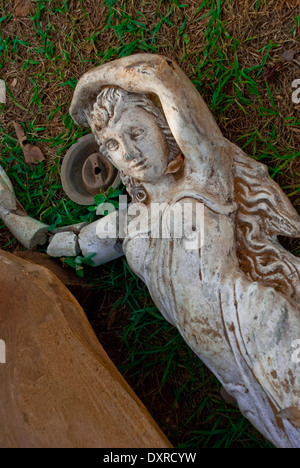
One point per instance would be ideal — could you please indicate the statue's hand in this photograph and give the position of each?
(7, 195)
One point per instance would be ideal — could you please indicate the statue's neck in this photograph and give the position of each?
(161, 190)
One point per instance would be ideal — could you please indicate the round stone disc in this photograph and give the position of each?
(86, 172)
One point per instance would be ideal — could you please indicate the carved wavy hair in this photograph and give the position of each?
(263, 211)
(105, 109)
(263, 214)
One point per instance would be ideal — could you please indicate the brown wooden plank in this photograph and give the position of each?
(58, 387)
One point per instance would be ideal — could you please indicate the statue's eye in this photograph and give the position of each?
(112, 145)
(136, 132)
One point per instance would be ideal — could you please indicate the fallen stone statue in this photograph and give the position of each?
(234, 294)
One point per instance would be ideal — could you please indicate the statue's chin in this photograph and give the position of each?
(149, 175)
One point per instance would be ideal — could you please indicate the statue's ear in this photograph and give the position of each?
(176, 165)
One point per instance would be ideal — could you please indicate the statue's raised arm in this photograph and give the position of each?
(189, 119)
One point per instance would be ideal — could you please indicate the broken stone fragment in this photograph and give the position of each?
(7, 195)
(106, 249)
(64, 244)
(28, 231)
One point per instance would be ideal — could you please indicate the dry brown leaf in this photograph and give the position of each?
(89, 48)
(32, 153)
(269, 72)
(22, 7)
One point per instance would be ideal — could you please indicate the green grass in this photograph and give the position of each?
(47, 53)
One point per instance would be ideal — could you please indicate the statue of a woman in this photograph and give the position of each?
(235, 299)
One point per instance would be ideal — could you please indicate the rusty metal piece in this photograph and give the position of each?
(86, 171)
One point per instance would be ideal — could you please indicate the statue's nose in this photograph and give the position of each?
(128, 157)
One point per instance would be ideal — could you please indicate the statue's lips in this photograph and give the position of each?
(140, 164)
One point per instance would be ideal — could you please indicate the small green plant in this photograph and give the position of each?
(78, 263)
(110, 196)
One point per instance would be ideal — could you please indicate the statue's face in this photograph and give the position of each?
(136, 144)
